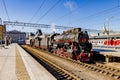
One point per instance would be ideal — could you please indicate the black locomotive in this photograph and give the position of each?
(72, 43)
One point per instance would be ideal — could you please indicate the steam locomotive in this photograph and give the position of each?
(72, 43)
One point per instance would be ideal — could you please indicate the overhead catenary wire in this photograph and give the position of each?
(98, 13)
(118, 3)
(97, 23)
(37, 10)
(103, 22)
(68, 13)
(81, 19)
(115, 20)
(6, 10)
(48, 11)
(117, 11)
(63, 16)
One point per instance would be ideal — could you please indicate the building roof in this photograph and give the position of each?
(15, 32)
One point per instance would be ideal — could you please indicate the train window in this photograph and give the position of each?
(113, 38)
(117, 37)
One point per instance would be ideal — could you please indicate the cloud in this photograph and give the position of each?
(70, 5)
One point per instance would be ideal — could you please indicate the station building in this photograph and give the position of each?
(16, 37)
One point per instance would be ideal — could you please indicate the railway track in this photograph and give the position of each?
(99, 68)
(110, 73)
(58, 72)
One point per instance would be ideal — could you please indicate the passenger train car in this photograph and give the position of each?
(106, 40)
(72, 43)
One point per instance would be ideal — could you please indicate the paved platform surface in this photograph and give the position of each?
(108, 51)
(16, 64)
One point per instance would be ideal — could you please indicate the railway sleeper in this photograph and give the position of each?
(61, 72)
(102, 66)
(99, 70)
(91, 68)
(115, 76)
(95, 69)
(118, 77)
(64, 74)
(88, 66)
(112, 75)
(113, 70)
(79, 63)
(116, 71)
(107, 73)
(104, 72)
(69, 78)
(108, 68)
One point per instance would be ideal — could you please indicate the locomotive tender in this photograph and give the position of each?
(72, 43)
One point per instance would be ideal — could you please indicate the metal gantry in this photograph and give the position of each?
(46, 26)
(34, 25)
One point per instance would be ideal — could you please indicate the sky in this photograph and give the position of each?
(87, 14)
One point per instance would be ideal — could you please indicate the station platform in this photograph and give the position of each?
(17, 64)
(109, 53)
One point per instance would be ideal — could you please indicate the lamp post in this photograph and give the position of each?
(108, 21)
(108, 31)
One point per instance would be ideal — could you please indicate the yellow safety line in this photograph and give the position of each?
(21, 71)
